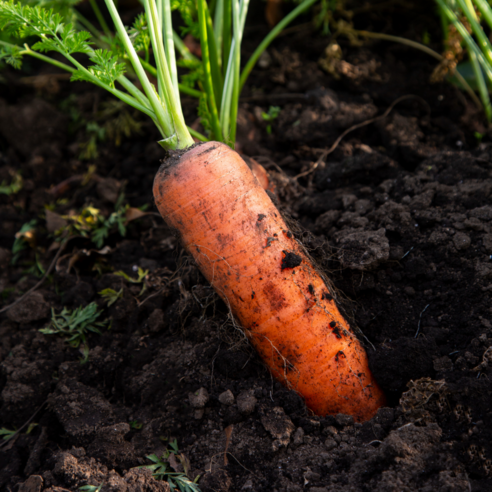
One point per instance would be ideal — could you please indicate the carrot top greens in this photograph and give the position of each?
(459, 12)
(103, 58)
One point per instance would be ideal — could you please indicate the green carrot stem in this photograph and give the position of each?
(39, 56)
(237, 70)
(130, 100)
(218, 28)
(134, 91)
(167, 32)
(182, 48)
(166, 89)
(101, 19)
(197, 135)
(217, 79)
(209, 89)
(485, 10)
(477, 59)
(230, 95)
(483, 40)
(189, 91)
(165, 120)
(226, 36)
(183, 88)
(87, 24)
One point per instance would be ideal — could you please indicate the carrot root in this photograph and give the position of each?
(244, 248)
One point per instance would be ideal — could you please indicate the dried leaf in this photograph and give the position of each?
(66, 262)
(228, 432)
(173, 463)
(273, 12)
(133, 213)
(185, 463)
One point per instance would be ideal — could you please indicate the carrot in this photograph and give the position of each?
(244, 248)
(225, 217)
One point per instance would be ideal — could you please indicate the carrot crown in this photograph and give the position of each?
(217, 76)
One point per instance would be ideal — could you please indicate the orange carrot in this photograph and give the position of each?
(244, 248)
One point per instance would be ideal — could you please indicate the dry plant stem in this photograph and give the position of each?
(228, 432)
(41, 282)
(421, 47)
(155, 294)
(246, 251)
(336, 143)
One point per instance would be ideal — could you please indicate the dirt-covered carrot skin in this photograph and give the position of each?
(244, 248)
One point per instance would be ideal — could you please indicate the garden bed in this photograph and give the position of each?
(399, 216)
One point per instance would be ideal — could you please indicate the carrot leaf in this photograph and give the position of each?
(11, 54)
(67, 42)
(107, 68)
(139, 34)
(187, 10)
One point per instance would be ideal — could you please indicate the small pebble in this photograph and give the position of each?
(199, 398)
(226, 398)
(344, 420)
(461, 241)
(410, 291)
(299, 436)
(248, 485)
(330, 444)
(246, 402)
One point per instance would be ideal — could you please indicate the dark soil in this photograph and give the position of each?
(399, 216)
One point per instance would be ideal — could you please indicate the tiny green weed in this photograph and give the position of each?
(479, 136)
(74, 326)
(273, 112)
(324, 17)
(81, 223)
(23, 239)
(116, 219)
(14, 187)
(111, 295)
(90, 222)
(91, 488)
(7, 434)
(161, 469)
(140, 272)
